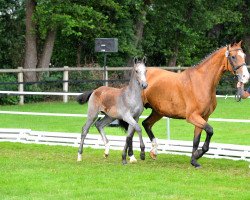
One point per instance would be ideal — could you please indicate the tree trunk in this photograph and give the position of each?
(173, 59)
(44, 61)
(30, 61)
(139, 27)
(79, 54)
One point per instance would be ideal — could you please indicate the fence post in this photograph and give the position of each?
(168, 128)
(20, 85)
(65, 83)
(179, 71)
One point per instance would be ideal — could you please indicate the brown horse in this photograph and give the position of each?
(191, 94)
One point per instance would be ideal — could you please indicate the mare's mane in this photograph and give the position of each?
(207, 57)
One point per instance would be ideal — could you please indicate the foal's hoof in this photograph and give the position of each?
(132, 159)
(79, 158)
(105, 155)
(124, 162)
(152, 155)
(142, 155)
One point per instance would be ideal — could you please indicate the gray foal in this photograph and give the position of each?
(124, 104)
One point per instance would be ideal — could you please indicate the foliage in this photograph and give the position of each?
(12, 32)
(176, 30)
(4, 98)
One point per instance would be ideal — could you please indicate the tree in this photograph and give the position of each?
(11, 33)
(178, 31)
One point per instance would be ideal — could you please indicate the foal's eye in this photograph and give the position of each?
(233, 57)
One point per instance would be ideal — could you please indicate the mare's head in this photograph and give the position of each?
(236, 62)
(140, 72)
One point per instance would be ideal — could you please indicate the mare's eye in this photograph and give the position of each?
(233, 57)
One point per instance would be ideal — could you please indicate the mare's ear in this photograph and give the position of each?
(240, 43)
(144, 59)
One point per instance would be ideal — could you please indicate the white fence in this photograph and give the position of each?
(65, 70)
(217, 150)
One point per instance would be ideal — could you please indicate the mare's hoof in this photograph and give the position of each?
(142, 155)
(152, 155)
(105, 155)
(195, 164)
(198, 166)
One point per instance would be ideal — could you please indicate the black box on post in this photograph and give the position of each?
(106, 45)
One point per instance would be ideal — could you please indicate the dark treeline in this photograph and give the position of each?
(45, 33)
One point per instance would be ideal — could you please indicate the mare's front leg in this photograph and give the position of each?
(148, 124)
(196, 154)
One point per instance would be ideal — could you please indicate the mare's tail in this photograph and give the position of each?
(123, 124)
(84, 97)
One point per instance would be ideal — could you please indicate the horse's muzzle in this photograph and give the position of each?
(144, 85)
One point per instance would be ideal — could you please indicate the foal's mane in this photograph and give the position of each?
(207, 57)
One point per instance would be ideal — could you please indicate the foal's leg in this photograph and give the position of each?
(92, 114)
(148, 124)
(100, 124)
(128, 147)
(85, 130)
(133, 123)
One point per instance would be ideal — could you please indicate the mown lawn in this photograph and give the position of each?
(224, 132)
(51, 172)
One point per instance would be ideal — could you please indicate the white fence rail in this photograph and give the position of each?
(217, 150)
(168, 133)
(65, 70)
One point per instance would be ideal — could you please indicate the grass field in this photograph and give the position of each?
(51, 172)
(224, 132)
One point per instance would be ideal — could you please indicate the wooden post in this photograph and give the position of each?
(179, 71)
(20, 85)
(65, 83)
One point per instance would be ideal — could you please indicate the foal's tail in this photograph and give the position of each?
(123, 124)
(84, 97)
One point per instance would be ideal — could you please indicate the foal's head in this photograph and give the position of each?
(140, 72)
(236, 59)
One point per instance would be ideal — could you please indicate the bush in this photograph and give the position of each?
(7, 83)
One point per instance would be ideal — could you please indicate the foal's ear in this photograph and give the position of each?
(135, 60)
(144, 59)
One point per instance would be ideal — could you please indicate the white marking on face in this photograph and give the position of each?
(240, 53)
(244, 76)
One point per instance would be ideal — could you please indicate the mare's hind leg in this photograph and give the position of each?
(100, 124)
(148, 124)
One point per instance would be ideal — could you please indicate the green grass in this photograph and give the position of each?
(51, 172)
(224, 132)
